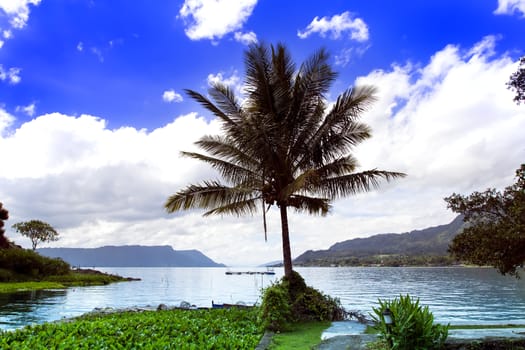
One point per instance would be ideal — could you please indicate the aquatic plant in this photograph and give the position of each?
(171, 329)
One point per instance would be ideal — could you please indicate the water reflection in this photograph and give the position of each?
(28, 307)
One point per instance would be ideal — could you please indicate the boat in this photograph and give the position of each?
(269, 271)
(239, 304)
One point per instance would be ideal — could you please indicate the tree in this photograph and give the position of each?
(280, 147)
(37, 231)
(495, 232)
(4, 215)
(517, 82)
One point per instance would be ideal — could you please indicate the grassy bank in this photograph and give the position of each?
(72, 279)
(299, 336)
(170, 329)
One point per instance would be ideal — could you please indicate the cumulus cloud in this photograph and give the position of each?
(246, 38)
(17, 11)
(80, 46)
(6, 120)
(510, 7)
(12, 75)
(449, 123)
(212, 19)
(336, 26)
(233, 81)
(29, 109)
(170, 96)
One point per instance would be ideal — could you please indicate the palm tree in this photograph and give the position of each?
(280, 146)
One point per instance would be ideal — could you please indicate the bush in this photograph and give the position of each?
(30, 264)
(412, 328)
(291, 300)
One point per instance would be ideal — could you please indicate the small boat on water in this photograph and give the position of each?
(269, 271)
(239, 304)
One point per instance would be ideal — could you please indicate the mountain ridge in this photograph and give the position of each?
(131, 256)
(431, 241)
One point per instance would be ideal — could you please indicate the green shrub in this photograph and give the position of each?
(30, 264)
(275, 309)
(412, 328)
(291, 300)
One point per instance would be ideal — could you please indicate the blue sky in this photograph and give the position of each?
(93, 113)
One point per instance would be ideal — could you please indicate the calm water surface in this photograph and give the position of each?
(455, 295)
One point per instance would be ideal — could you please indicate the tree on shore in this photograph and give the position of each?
(495, 232)
(37, 231)
(4, 215)
(517, 82)
(281, 146)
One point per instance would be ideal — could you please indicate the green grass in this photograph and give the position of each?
(172, 329)
(10, 287)
(73, 279)
(300, 336)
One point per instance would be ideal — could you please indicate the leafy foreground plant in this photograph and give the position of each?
(412, 325)
(172, 329)
(291, 300)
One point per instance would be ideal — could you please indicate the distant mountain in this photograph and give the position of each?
(431, 241)
(130, 256)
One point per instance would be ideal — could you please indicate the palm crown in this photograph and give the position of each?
(280, 146)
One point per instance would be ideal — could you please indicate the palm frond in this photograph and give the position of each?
(239, 208)
(311, 205)
(227, 149)
(233, 173)
(206, 103)
(209, 195)
(342, 186)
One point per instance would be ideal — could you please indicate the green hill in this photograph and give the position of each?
(419, 247)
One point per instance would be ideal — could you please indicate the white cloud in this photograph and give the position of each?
(246, 38)
(12, 75)
(212, 19)
(336, 26)
(233, 80)
(29, 109)
(171, 96)
(346, 55)
(6, 120)
(17, 11)
(510, 7)
(80, 46)
(449, 123)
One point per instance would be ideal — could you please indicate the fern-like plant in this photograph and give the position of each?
(412, 326)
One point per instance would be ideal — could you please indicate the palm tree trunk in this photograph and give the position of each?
(287, 255)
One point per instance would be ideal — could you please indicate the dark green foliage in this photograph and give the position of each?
(4, 215)
(291, 300)
(275, 310)
(517, 82)
(413, 326)
(495, 234)
(22, 264)
(173, 329)
(37, 231)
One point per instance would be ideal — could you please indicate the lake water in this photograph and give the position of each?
(455, 295)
